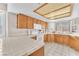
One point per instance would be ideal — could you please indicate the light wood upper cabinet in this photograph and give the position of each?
(30, 23)
(21, 21)
(46, 25)
(24, 22)
(42, 23)
(27, 22)
(34, 20)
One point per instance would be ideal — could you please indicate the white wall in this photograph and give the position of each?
(3, 6)
(51, 25)
(12, 24)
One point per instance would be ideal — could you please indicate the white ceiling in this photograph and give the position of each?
(30, 6)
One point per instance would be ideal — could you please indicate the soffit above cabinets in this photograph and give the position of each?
(54, 10)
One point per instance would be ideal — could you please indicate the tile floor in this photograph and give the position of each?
(55, 49)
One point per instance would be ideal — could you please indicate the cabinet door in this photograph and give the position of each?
(71, 42)
(46, 25)
(66, 39)
(30, 23)
(55, 37)
(45, 38)
(74, 43)
(21, 21)
(38, 21)
(61, 39)
(52, 38)
(58, 38)
(77, 44)
(34, 20)
(49, 37)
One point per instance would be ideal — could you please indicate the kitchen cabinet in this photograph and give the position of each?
(45, 24)
(45, 38)
(22, 21)
(71, 41)
(63, 39)
(52, 37)
(48, 38)
(58, 38)
(27, 22)
(39, 21)
(34, 20)
(30, 23)
(77, 44)
(39, 52)
(74, 42)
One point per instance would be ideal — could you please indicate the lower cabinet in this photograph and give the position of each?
(39, 52)
(65, 39)
(48, 38)
(71, 41)
(74, 43)
(62, 39)
(58, 38)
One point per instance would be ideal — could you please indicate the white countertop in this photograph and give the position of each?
(71, 34)
(18, 46)
(74, 34)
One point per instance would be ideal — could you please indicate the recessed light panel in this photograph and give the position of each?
(53, 10)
